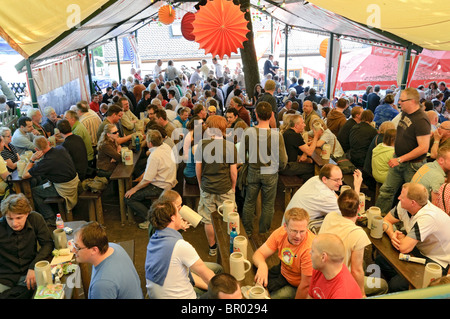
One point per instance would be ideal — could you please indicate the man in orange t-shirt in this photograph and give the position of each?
(292, 242)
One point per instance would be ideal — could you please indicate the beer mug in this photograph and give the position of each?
(190, 215)
(344, 188)
(240, 245)
(43, 273)
(432, 272)
(226, 208)
(371, 213)
(377, 228)
(258, 292)
(238, 266)
(326, 150)
(362, 203)
(60, 238)
(233, 221)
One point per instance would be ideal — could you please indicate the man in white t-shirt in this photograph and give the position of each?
(427, 230)
(355, 240)
(160, 174)
(318, 195)
(170, 258)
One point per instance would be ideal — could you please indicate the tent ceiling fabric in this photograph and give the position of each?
(312, 18)
(41, 29)
(424, 23)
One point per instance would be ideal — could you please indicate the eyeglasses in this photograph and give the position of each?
(116, 132)
(400, 100)
(77, 249)
(295, 232)
(337, 180)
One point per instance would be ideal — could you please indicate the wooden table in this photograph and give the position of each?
(319, 162)
(124, 176)
(412, 272)
(223, 245)
(21, 185)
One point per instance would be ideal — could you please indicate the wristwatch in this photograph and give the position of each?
(399, 160)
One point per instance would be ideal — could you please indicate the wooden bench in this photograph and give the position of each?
(61, 202)
(95, 205)
(291, 184)
(191, 193)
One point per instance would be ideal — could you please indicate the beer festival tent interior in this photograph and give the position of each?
(60, 33)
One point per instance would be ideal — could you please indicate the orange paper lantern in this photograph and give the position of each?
(187, 27)
(324, 48)
(166, 14)
(220, 28)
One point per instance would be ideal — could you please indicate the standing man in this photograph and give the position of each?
(427, 233)
(292, 243)
(20, 231)
(411, 147)
(218, 72)
(113, 273)
(79, 129)
(90, 120)
(263, 168)
(267, 96)
(268, 66)
(344, 133)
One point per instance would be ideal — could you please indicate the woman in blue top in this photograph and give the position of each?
(386, 111)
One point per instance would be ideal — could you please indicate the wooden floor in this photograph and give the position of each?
(195, 236)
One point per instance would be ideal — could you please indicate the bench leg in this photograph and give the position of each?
(91, 211)
(123, 216)
(99, 210)
(130, 212)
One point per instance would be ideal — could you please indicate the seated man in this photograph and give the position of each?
(160, 174)
(128, 119)
(292, 243)
(355, 240)
(170, 258)
(331, 278)
(20, 230)
(427, 235)
(232, 116)
(433, 174)
(23, 137)
(223, 286)
(113, 116)
(57, 167)
(318, 195)
(76, 148)
(113, 273)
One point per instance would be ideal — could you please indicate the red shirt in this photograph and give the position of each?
(94, 106)
(343, 286)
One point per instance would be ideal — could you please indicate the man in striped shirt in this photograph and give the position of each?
(89, 119)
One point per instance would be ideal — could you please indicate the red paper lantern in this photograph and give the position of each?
(220, 28)
(187, 27)
(166, 14)
(324, 48)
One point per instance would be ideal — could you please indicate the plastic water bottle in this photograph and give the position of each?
(59, 222)
(138, 143)
(233, 234)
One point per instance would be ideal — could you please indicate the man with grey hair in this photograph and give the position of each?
(80, 130)
(56, 167)
(51, 119)
(160, 174)
(90, 120)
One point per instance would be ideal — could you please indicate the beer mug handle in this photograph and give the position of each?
(220, 208)
(249, 265)
(387, 226)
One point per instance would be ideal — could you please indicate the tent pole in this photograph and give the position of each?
(330, 65)
(93, 62)
(406, 69)
(118, 60)
(31, 84)
(271, 35)
(88, 65)
(286, 57)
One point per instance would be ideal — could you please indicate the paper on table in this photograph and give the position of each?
(61, 259)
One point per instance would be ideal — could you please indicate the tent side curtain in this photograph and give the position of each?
(54, 75)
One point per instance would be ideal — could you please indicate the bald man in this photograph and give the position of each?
(308, 114)
(331, 279)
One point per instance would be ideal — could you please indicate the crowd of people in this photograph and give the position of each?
(233, 145)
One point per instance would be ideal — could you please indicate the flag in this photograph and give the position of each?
(277, 44)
